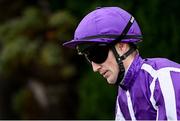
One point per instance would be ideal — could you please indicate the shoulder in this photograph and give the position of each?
(158, 63)
(151, 66)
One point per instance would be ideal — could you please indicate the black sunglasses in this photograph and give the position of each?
(97, 53)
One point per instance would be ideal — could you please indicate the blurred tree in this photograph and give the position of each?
(11, 9)
(30, 49)
(159, 23)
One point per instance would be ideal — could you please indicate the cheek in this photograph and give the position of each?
(112, 65)
(114, 68)
(112, 72)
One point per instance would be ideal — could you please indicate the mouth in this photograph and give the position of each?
(104, 74)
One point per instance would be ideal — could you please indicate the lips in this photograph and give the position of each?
(103, 73)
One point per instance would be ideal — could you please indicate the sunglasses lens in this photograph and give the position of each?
(97, 54)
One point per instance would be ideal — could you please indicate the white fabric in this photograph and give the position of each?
(130, 107)
(167, 88)
(119, 115)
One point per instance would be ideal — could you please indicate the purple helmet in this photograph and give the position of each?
(104, 25)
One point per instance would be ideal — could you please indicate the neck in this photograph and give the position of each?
(127, 62)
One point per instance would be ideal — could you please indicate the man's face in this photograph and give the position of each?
(108, 69)
(102, 60)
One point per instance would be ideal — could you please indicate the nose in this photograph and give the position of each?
(95, 66)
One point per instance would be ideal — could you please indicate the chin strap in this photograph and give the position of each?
(119, 60)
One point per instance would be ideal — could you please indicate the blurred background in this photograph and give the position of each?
(40, 79)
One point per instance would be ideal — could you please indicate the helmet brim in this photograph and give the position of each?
(74, 43)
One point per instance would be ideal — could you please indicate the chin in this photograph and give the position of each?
(110, 81)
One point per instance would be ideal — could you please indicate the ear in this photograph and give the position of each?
(121, 46)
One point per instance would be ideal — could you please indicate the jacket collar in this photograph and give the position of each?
(131, 73)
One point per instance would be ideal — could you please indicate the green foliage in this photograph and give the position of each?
(30, 47)
(32, 38)
(50, 55)
(63, 20)
(159, 24)
(16, 52)
(97, 98)
(31, 22)
(19, 102)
